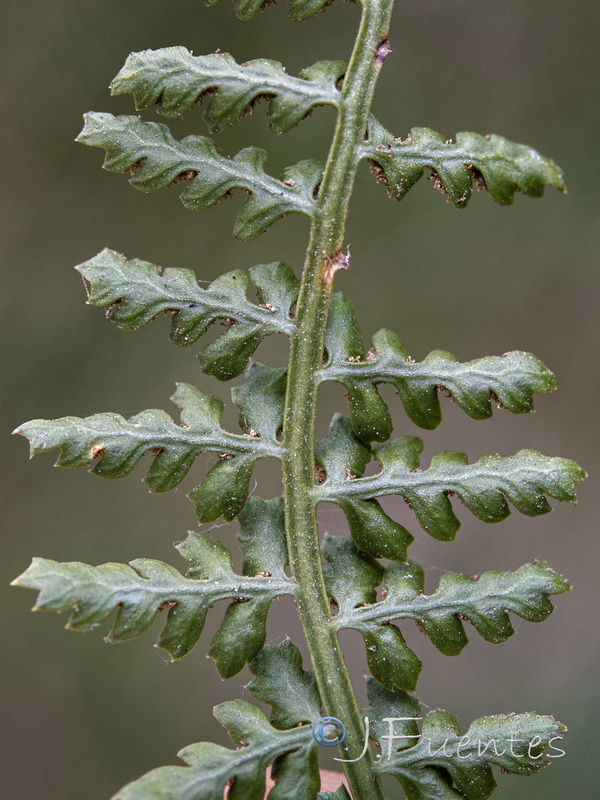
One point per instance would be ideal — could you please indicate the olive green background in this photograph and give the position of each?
(81, 718)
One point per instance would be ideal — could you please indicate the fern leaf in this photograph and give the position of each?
(210, 768)
(484, 486)
(352, 580)
(285, 741)
(484, 601)
(445, 764)
(510, 380)
(493, 163)
(136, 292)
(262, 418)
(343, 456)
(175, 80)
(224, 490)
(262, 537)
(290, 690)
(115, 445)
(139, 591)
(155, 160)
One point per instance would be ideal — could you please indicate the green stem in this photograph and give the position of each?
(323, 259)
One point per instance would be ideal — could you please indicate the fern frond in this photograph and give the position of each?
(139, 591)
(210, 767)
(262, 537)
(280, 681)
(484, 601)
(176, 81)
(352, 581)
(115, 445)
(484, 486)
(444, 763)
(285, 741)
(493, 163)
(136, 292)
(155, 160)
(510, 380)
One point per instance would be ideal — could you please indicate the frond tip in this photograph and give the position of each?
(175, 80)
(155, 160)
(490, 162)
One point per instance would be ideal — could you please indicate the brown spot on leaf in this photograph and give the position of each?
(255, 102)
(188, 175)
(134, 167)
(377, 170)
(437, 182)
(206, 93)
(477, 177)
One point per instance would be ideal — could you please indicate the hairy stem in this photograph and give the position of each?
(323, 258)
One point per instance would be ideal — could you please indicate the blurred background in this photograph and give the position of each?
(80, 717)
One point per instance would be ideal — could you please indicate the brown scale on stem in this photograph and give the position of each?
(332, 264)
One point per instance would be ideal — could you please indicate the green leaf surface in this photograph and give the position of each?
(140, 591)
(342, 457)
(352, 579)
(344, 346)
(484, 486)
(225, 489)
(240, 637)
(210, 768)
(175, 80)
(493, 163)
(510, 380)
(136, 292)
(262, 537)
(290, 690)
(261, 401)
(148, 152)
(442, 763)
